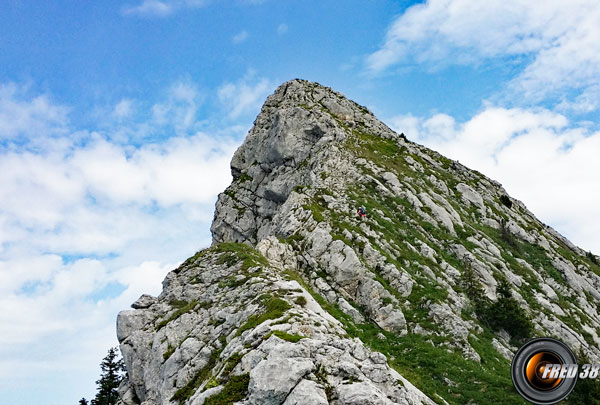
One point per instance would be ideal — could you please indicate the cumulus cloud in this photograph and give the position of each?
(244, 96)
(21, 115)
(57, 335)
(556, 43)
(536, 154)
(101, 198)
(89, 221)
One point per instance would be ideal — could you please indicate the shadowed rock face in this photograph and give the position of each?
(299, 301)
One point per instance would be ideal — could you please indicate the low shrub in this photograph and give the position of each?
(504, 199)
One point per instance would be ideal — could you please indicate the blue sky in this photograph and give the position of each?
(118, 120)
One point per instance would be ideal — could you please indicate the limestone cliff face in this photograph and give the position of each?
(299, 301)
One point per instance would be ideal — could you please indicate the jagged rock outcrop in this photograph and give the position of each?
(299, 301)
(225, 318)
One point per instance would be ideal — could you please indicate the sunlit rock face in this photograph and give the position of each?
(301, 301)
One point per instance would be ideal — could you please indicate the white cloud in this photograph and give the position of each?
(587, 101)
(60, 333)
(180, 108)
(20, 116)
(88, 223)
(154, 8)
(91, 197)
(245, 96)
(558, 42)
(282, 29)
(240, 37)
(156, 172)
(540, 159)
(161, 8)
(123, 109)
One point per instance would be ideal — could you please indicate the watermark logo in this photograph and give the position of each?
(544, 371)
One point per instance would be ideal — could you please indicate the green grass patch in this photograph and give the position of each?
(233, 253)
(535, 255)
(300, 301)
(340, 236)
(233, 282)
(381, 151)
(235, 390)
(287, 336)
(243, 178)
(316, 210)
(182, 308)
(186, 392)
(230, 365)
(426, 363)
(375, 146)
(332, 309)
(169, 352)
(274, 308)
(193, 258)
(297, 238)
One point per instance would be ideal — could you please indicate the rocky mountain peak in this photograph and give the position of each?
(300, 123)
(293, 121)
(301, 300)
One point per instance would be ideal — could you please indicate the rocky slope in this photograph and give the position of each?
(299, 301)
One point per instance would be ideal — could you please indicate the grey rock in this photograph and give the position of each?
(361, 393)
(143, 302)
(273, 378)
(470, 195)
(307, 393)
(505, 352)
(439, 213)
(201, 397)
(299, 178)
(378, 358)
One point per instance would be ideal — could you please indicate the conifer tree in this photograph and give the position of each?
(112, 373)
(507, 314)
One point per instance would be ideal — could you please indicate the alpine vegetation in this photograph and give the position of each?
(351, 266)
